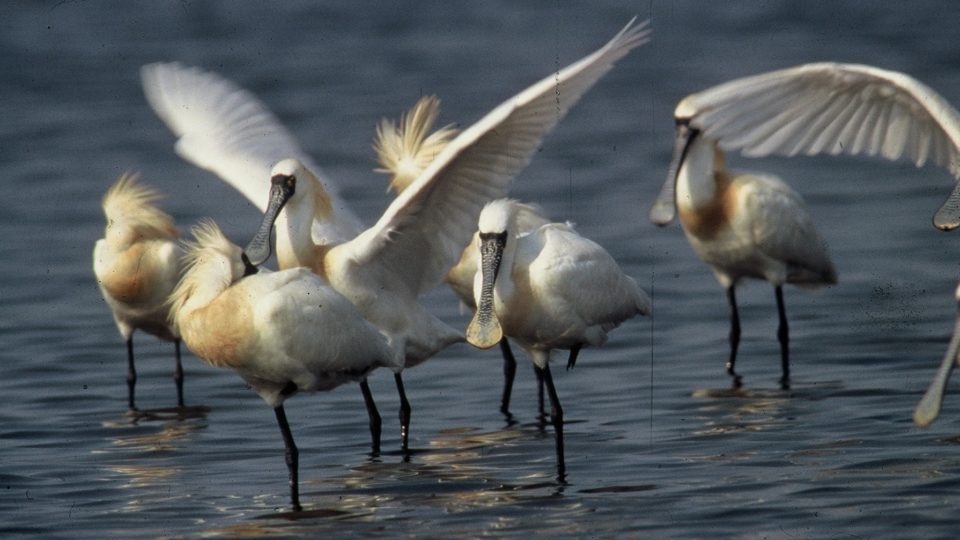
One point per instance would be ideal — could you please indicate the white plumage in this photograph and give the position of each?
(548, 289)
(137, 265)
(226, 130)
(421, 233)
(404, 150)
(836, 109)
(283, 332)
(756, 226)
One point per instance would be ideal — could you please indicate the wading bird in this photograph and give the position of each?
(929, 406)
(383, 269)
(404, 150)
(754, 225)
(137, 265)
(549, 289)
(282, 332)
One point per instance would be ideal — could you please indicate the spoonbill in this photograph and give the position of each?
(549, 289)
(460, 278)
(928, 408)
(282, 332)
(137, 265)
(404, 149)
(384, 268)
(751, 225)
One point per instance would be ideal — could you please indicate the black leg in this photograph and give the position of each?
(292, 457)
(556, 414)
(374, 415)
(783, 334)
(540, 410)
(734, 336)
(509, 371)
(178, 374)
(404, 414)
(131, 375)
(574, 351)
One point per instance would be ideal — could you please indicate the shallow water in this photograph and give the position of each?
(656, 443)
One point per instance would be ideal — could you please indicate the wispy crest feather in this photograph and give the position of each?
(133, 203)
(404, 149)
(210, 245)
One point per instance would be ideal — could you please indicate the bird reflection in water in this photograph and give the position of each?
(175, 432)
(452, 469)
(738, 410)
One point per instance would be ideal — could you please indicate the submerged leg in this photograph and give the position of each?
(556, 415)
(734, 336)
(404, 414)
(178, 374)
(292, 457)
(131, 375)
(374, 415)
(783, 334)
(509, 371)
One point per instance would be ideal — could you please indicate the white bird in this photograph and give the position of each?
(404, 150)
(282, 332)
(828, 108)
(754, 225)
(460, 278)
(137, 265)
(549, 289)
(418, 238)
(928, 408)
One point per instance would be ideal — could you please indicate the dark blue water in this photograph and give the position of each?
(656, 446)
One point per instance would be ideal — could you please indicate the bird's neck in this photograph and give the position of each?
(504, 286)
(202, 284)
(295, 244)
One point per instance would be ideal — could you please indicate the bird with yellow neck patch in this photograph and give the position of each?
(282, 332)
(386, 267)
(754, 225)
(137, 265)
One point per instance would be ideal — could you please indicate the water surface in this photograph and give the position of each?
(656, 444)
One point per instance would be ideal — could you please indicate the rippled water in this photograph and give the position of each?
(656, 444)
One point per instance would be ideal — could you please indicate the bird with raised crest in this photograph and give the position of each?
(137, 265)
(282, 332)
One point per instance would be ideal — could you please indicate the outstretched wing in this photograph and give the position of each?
(226, 130)
(836, 109)
(832, 108)
(422, 233)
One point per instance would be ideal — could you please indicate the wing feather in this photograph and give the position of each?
(582, 275)
(829, 107)
(783, 230)
(438, 212)
(226, 130)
